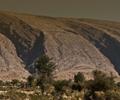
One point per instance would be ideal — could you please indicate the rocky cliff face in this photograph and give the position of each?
(11, 66)
(74, 44)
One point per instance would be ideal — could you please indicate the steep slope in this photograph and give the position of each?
(24, 37)
(11, 67)
(74, 44)
(105, 41)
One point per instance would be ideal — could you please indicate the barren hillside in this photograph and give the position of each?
(74, 44)
(11, 66)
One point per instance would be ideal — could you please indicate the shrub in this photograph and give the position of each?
(34, 97)
(30, 81)
(118, 84)
(77, 86)
(1, 83)
(79, 77)
(60, 84)
(15, 82)
(112, 95)
(79, 80)
(2, 97)
(13, 95)
(99, 95)
(39, 97)
(101, 82)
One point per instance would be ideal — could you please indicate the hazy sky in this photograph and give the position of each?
(99, 9)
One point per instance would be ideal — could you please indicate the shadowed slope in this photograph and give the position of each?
(27, 40)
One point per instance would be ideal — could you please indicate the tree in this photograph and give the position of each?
(79, 77)
(44, 66)
(79, 80)
(30, 80)
(101, 82)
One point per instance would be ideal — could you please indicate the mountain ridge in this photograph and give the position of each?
(74, 44)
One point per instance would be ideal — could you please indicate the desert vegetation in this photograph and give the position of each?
(42, 86)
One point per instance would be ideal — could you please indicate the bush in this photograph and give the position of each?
(39, 97)
(101, 82)
(77, 87)
(1, 83)
(118, 84)
(60, 84)
(79, 77)
(79, 81)
(2, 97)
(112, 95)
(34, 97)
(13, 95)
(15, 82)
(99, 95)
(30, 81)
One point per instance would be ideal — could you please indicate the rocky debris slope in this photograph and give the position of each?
(11, 66)
(74, 44)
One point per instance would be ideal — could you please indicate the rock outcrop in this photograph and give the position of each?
(11, 66)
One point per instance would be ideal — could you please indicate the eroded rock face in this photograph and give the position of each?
(11, 66)
(74, 44)
(23, 36)
(72, 53)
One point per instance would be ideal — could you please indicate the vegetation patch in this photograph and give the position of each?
(42, 86)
